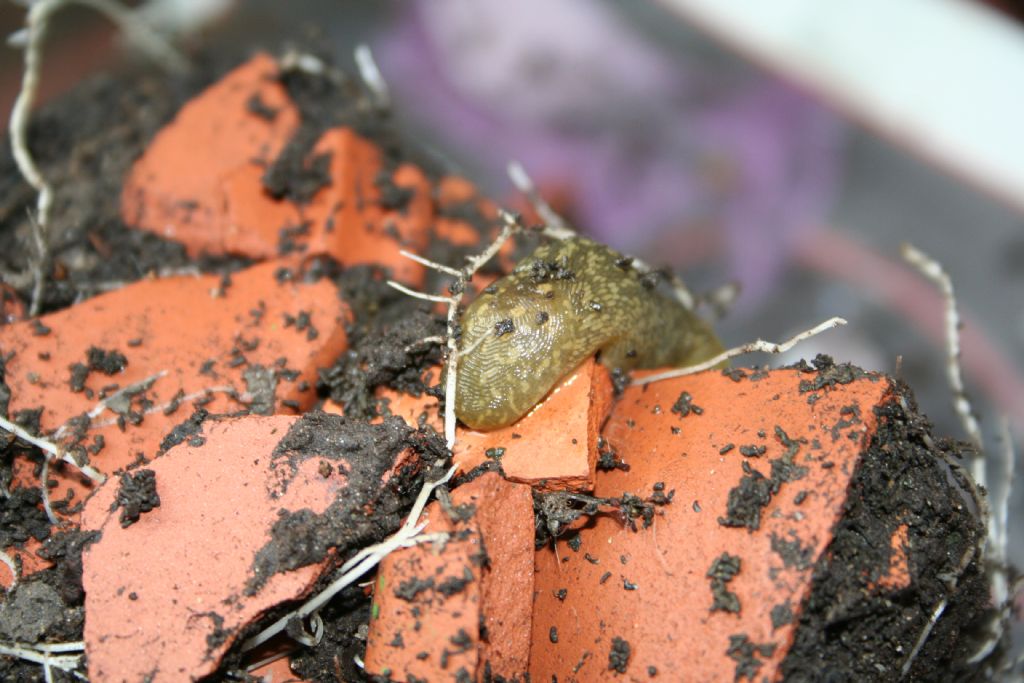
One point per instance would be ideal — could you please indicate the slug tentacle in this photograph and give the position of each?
(568, 300)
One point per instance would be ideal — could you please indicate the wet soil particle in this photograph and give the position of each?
(684, 405)
(754, 491)
(792, 553)
(735, 374)
(747, 499)
(64, 551)
(902, 479)
(608, 458)
(618, 657)
(829, 373)
(722, 571)
(136, 494)
(5, 391)
(454, 585)
(781, 615)
(744, 652)
(408, 590)
(190, 428)
(109, 362)
(555, 511)
(22, 517)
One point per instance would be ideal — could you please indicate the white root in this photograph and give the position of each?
(554, 225)
(52, 449)
(31, 38)
(408, 535)
(371, 75)
(759, 345)
(462, 277)
(934, 271)
(44, 475)
(995, 516)
(998, 539)
(105, 403)
(923, 637)
(48, 655)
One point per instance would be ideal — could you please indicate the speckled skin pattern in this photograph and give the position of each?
(566, 301)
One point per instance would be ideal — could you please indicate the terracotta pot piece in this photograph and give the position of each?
(425, 617)
(703, 589)
(167, 595)
(897, 574)
(176, 189)
(430, 608)
(258, 336)
(553, 448)
(353, 221)
(216, 203)
(457, 199)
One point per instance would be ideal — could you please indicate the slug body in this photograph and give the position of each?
(566, 301)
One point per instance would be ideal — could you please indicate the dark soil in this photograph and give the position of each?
(370, 508)
(847, 632)
(136, 494)
(46, 607)
(384, 348)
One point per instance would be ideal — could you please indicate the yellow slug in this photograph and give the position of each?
(568, 300)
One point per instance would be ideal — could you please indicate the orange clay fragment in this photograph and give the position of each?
(429, 606)
(178, 337)
(553, 448)
(621, 604)
(175, 188)
(200, 182)
(897, 575)
(167, 595)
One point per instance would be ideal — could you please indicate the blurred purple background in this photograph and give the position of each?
(643, 144)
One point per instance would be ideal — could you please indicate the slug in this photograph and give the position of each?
(568, 300)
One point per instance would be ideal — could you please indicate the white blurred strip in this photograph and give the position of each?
(941, 77)
(184, 17)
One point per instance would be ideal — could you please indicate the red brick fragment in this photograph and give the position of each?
(553, 447)
(166, 596)
(429, 606)
(647, 593)
(175, 189)
(257, 336)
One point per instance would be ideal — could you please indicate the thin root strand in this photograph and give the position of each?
(757, 346)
